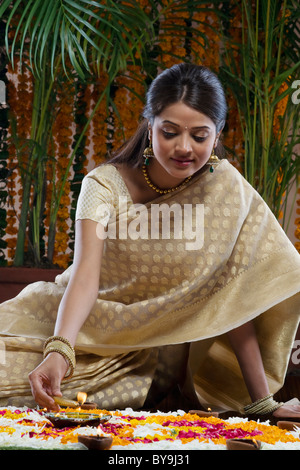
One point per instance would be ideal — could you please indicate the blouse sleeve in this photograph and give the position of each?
(96, 198)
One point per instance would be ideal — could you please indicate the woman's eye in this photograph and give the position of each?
(168, 134)
(199, 139)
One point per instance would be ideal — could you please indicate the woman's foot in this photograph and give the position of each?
(287, 413)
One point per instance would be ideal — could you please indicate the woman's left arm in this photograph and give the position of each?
(246, 348)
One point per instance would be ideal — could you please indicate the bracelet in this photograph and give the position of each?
(64, 348)
(58, 338)
(263, 406)
(66, 353)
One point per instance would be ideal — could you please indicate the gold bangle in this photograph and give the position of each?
(262, 406)
(70, 362)
(58, 338)
(258, 402)
(61, 347)
(64, 350)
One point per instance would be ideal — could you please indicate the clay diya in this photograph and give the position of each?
(204, 414)
(76, 418)
(288, 425)
(243, 444)
(88, 405)
(96, 442)
(85, 405)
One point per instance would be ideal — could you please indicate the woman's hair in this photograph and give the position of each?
(194, 85)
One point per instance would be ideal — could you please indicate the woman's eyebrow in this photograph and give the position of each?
(166, 121)
(170, 122)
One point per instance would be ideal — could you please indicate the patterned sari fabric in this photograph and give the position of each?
(181, 270)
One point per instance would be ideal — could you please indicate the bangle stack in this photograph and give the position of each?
(64, 348)
(262, 406)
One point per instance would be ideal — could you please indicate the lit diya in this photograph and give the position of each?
(204, 414)
(85, 405)
(72, 419)
(77, 417)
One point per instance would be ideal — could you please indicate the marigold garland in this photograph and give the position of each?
(11, 228)
(107, 131)
(280, 111)
(206, 51)
(87, 99)
(99, 121)
(63, 133)
(20, 103)
(82, 102)
(233, 137)
(171, 39)
(129, 105)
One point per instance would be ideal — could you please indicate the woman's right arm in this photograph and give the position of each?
(83, 287)
(76, 304)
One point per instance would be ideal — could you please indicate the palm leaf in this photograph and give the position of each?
(84, 32)
(260, 80)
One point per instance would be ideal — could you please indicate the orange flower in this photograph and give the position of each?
(62, 134)
(280, 111)
(128, 103)
(99, 122)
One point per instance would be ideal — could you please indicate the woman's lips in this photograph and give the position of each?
(182, 162)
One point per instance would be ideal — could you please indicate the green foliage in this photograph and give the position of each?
(88, 34)
(64, 40)
(259, 69)
(73, 42)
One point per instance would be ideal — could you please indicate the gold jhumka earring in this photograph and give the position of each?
(213, 161)
(148, 153)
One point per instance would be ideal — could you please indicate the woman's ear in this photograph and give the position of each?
(149, 131)
(217, 138)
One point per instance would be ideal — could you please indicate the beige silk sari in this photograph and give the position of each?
(158, 294)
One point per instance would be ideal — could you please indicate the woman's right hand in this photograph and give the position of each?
(45, 380)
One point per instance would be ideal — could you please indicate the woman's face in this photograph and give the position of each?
(182, 141)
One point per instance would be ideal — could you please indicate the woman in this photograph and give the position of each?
(187, 253)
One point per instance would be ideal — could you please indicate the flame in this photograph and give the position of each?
(81, 397)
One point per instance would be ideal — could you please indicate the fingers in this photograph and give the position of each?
(41, 391)
(45, 382)
(55, 389)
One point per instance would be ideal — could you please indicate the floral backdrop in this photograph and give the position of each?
(109, 126)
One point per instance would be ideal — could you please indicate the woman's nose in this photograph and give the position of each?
(184, 144)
